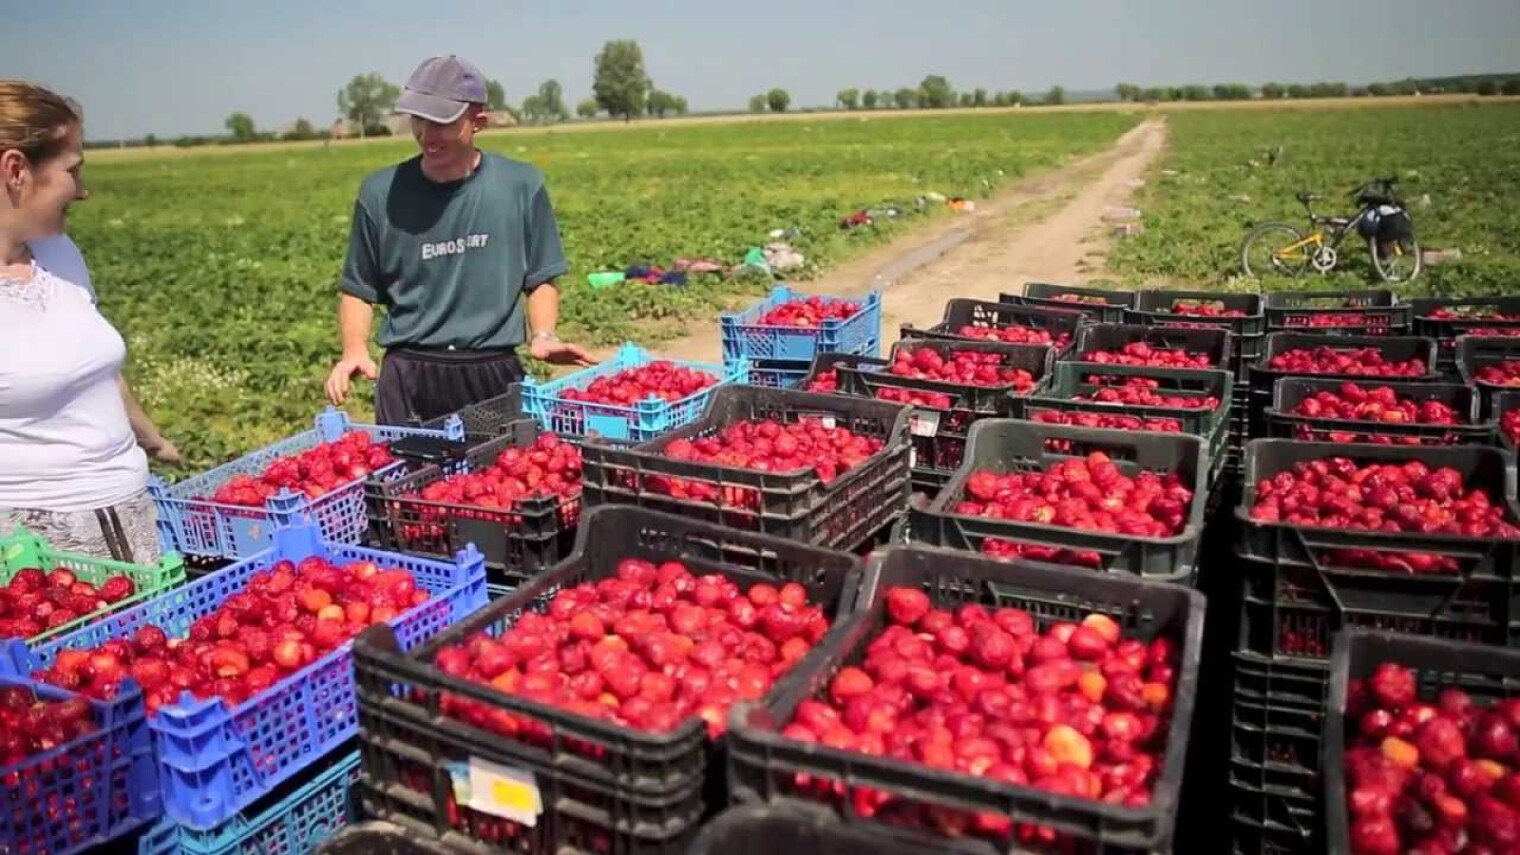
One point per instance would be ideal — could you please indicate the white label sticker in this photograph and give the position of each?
(501, 791)
(923, 424)
(912, 457)
(828, 422)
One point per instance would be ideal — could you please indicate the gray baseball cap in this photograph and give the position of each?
(441, 89)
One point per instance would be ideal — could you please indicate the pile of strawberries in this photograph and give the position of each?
(34, 602)
(1429, 777)
(1354, 402)
(547, 467)
(1090, 493)
(648, 648)
(809, 312)
(961, 367)
(1142, 353)
(1013, 334)
(1359, 361)
(1074, 709)
(660, 380)
(313, 472)
(1142, 391)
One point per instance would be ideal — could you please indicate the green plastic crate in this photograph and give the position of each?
(22, 549)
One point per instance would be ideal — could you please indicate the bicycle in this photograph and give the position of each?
(1381, 219)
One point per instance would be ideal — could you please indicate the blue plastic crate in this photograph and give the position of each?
(214, 761)
(745, 337)
(779, 375)
(298, 824)
(191, 524)
(109, 776)
(641, 422)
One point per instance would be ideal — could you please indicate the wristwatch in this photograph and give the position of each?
(546, 336)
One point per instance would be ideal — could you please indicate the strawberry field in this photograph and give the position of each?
(1225, 171)
(220, 267)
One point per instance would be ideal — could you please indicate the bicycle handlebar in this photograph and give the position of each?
(1385, 183)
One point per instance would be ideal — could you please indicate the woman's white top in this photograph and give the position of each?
(65, 442)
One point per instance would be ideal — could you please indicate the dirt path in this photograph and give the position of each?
(1049, 227)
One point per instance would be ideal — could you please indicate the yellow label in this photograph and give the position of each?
(514, 795)
(504, 791)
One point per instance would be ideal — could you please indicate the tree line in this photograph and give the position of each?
(622, 89)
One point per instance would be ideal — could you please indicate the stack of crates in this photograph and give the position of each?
(781, 355)
(1300, 585)
(1446, 319)
(226, 770)
(1243, 315)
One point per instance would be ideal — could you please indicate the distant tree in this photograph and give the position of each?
(935, 93)
(1196, 92)
(496, 96)
(778, 100)
(302, 130)
(661, 102)
(366, 100)
(1380, 90)
(964, 99)
(868, 99)
(905, 98)
(587, 109)
(240, 125)
(151, 141)
(1298, 90)
(533, 109)
(979, 97)
(1014, 97)
(1512, 86)
(1056, 96)
(1328, 90)
(849, 99)
(1232, 92)
(619, 81)
(757, 103)
(1488, 87)
(678, 105)
(1273, 91)
(1128, 92)
(551, 97)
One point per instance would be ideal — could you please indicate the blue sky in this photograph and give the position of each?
(173, 67)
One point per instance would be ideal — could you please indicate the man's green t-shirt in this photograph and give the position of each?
(451, 262)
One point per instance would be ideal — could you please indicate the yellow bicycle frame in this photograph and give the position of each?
(1317, 239)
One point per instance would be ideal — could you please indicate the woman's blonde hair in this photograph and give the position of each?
(34, 120)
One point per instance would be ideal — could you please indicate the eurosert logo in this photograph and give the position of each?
(438, 249)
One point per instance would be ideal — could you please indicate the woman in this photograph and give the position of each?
(73, 441)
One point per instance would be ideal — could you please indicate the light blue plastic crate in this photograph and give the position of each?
(191, 524)
(744, 336)
(639, 423)
(298, 824)
(214, 761)
(109, 775)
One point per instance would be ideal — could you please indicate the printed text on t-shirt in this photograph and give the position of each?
(453, 247)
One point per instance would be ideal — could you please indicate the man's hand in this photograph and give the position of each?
(339, 380)
(164, 451)
(557, 352)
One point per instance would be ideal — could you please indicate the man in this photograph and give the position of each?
(462, 249)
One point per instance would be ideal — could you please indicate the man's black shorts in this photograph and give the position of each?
(417, 385)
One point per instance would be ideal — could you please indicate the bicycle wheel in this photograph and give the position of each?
(1275, 248)
(1396, 260)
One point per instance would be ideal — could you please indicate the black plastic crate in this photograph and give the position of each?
(795, 829)
(1283, 421)
(1159, 307)
(1276, 730)
(1001, 399)
(517, 541)
(961, 312)
(1489, 469)
(764, 766)
(826, 364)
(1493, 315)
(1104, 305)
(1008, 445)
(407, 687)
(1393, 348)
(1371, 311)
(1475, 353)
(1294, 611)
(1503, 404)
(414, 774)
(1071, 379)
(1213, 342)
(489, 418)
(795, 505)
(379, 838)
(1292, 827)
(1486, 673)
